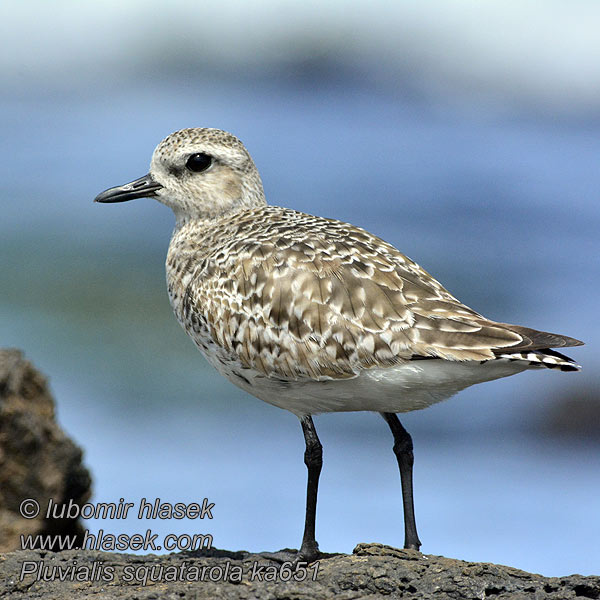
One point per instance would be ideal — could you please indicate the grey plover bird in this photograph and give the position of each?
(314, 315)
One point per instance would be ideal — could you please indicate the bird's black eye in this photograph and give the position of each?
(198, 162)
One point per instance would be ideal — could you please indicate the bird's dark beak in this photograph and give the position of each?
(144, 187)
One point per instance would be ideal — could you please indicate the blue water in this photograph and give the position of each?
(503, 210)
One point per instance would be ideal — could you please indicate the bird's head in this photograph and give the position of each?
(199, 173)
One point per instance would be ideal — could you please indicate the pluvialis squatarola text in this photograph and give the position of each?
(314, 315)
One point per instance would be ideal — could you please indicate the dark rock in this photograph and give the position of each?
(37, 460)
(373, 571)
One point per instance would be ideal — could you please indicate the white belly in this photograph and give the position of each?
(412, 386)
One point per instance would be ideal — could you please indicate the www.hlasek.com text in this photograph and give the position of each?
(108, 542)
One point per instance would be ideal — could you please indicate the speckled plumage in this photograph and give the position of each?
(269, 292)
(292, 295)
(316, 315)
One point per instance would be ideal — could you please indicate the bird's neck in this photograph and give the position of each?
(210, 213)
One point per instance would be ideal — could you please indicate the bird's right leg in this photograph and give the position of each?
(313, 459)
(403, 449)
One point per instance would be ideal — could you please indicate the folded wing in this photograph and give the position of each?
(327, 306)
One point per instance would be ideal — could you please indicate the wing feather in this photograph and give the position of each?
(324, 300)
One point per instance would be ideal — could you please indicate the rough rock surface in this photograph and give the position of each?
(373, 571)
(37, 460)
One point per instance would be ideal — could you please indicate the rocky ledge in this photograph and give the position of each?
(39, 462)
(372, 571)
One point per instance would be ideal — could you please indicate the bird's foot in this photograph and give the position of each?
(416, 547)
(412, 542)
(294, 557)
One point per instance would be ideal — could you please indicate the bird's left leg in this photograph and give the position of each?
(313, 459)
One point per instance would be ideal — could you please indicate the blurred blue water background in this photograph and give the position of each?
(460, 135)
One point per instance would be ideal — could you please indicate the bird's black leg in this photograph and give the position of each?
(313, 459)
(403, 449)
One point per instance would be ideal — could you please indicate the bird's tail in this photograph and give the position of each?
(551, 359)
